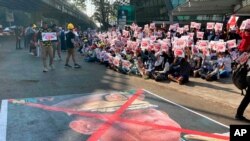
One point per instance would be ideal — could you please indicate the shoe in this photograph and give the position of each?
(52, 67)
(241, 118)
(77, 66)
(45, 70)
(67, 66)
(55, 59)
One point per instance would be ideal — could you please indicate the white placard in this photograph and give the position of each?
(49, 36)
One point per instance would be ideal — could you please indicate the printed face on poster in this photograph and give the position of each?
(210, 25)
(200, 35)
(128, 115)
(218, 26)
(49, 36)
(231, 44)
(179, 53)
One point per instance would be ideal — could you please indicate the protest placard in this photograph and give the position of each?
(232, 21)
(242, 58)
(202, 44)
(49, 36)
(212, 45)
(245, 25)
(180, 43)
(192, 25)
(231, 43)
(126, 64)
(144, 44)
(180, 30)
(218, 26)
(152, 26)
(116, 61)
(198, 25)
(200, 35)
(221, 46)
(210, 25)
(179, 53)
(186, 27)
(195, 50)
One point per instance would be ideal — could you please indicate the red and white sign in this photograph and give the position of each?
(116, 61)
(198, 25)
(126, 64)
(157, 47)
(180, 30)
(231, 44)
(172, 27)
(243, 58)
(206, 52)
(202, 44)
(125, 33)
(134, 45)
(195, 50)
(179, 53)
(186, 27)
(152, 26)
(191, 35)
(221, 46)
(218, 26)
(200, 35)
(245, 25)
(164, 46)
(144, 44)
(210, 25)
(180, 43)
(110, 58)
(232, 21)
(49, 36)
(153, 38)
(192, 25)
(212, 45)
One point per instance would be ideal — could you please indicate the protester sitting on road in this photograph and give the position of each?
(182, 73)
(225, 63)
(210, 70)
(162, 74)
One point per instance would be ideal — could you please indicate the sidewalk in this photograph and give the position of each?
(222, 91)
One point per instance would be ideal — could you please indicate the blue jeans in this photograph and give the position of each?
(224, 74)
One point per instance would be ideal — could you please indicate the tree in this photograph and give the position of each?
(103, 13)
(78, 3)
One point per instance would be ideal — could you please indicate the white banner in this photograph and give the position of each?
(49, 36)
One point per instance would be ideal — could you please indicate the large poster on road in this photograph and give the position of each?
(135, 115)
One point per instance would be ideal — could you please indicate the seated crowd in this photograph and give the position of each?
(155, 53)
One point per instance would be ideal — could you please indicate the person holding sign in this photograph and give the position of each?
(71, 44)
(47, 49)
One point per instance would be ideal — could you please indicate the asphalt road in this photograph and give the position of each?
(21, 76)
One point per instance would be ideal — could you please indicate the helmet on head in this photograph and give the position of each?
(34, 26)
(70, 26)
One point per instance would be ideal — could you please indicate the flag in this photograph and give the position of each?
(232, 21)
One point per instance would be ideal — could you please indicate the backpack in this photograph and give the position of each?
(240, 77)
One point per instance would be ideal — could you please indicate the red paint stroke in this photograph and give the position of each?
(110, 119)
(187, 131)
(67, 111)
(96, 135)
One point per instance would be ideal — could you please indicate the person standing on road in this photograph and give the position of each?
(243, 47)
(47, 49)
(56, 44)
(71, 44)
(18, 33)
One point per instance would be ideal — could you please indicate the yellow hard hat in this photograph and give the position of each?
(34, 26)
(70, 26)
